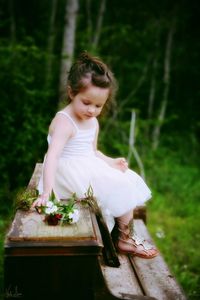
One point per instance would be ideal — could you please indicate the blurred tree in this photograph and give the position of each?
(50, 45)
(99, 24)
(166, 80)
(68, 44)
(12, 23)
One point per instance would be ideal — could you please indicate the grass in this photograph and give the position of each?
(3, 225)
(178, 240)
(173, 217)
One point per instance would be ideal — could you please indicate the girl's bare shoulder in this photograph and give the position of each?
(61, 123)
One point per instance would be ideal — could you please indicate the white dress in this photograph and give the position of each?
(78, 167)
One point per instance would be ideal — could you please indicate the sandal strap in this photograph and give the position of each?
(136, 241)
(146, 245)
(128, 226)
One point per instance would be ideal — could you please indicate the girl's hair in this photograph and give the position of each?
(91, 70)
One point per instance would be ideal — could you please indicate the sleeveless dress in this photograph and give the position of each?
(78, 167)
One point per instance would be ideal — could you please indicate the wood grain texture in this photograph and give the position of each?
(30, 226)
(121, 280)
(35, 177)
(30, 235)
(154, 274)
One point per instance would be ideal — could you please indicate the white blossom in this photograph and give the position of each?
(51, 210)
(160, 233)
(49, 204)
(74, 216)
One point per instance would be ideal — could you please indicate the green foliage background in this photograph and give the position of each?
(133, 33)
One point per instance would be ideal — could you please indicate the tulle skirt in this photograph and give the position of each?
(116, 192)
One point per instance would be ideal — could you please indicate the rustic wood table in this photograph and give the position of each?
(51, 262)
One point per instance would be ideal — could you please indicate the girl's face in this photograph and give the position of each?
(89, 102)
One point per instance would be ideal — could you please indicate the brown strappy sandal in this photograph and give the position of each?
(128, 237)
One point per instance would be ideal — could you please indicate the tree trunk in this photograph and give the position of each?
(119, 107)
(50, 45)
(166, 80)
(89, 21)
(98, 25)
(12, 24)
(152, 89)
(152, 93)
(132, 149)
(68, 44)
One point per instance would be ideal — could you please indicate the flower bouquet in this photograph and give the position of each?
(59, 212)
(56, 212)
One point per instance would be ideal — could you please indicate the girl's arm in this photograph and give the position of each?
(60, 130)
(98, 153)
(117, 163)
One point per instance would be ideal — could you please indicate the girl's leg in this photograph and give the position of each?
(127, 243)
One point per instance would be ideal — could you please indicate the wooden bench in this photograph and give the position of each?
(53, 262)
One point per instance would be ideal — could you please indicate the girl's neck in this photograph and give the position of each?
(82, 124)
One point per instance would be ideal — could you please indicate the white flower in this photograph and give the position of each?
(51, 210)
(160, 233)
(49, 204)
(74, 216)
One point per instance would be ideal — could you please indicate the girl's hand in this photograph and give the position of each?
(120, 164)
(41, 200)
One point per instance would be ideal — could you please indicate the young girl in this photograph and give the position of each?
(73, 163)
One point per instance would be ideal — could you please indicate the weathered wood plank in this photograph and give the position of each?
(28, 231)
(154, 275)
(35, 177)
(30, 226)
(140, 212)
(121, 280)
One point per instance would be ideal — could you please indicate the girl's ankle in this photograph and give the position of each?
(123, 231)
